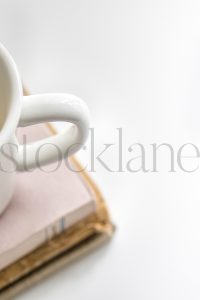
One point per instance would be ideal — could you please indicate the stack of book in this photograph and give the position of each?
(54, 217)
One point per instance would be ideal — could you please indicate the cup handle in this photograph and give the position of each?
(49, 108)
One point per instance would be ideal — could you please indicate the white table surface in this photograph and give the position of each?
(137, 65)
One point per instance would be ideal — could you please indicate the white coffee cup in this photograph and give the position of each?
(17, 110)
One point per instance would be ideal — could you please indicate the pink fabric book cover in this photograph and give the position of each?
(44, 205)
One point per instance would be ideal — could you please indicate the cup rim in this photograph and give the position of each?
(13, 115)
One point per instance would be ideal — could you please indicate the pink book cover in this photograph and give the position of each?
(44, 204)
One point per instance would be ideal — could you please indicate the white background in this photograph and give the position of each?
(137, 65)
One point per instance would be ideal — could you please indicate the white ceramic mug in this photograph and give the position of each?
(17, 110)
